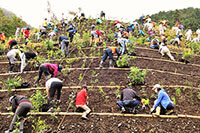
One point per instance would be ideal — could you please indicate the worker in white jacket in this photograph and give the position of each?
(11, 55)
(165, 50)
(188, 34)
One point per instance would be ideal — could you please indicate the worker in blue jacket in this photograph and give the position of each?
(163, 105)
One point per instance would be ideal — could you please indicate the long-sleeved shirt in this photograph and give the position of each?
(53, 68)
(122, 42)
(163, 99)
(62, 38)
(17, 100)
(14, 53)
(129, 94)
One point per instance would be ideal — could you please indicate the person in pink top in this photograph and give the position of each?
(81, 99)
(48, 68)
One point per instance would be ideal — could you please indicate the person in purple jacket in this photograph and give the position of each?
(163, 105)
(48, 68)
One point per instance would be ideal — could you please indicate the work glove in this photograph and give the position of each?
(87, 103)
(152, 109)
(143, 107)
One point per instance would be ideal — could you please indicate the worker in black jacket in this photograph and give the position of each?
(130, 99)
(20, 106)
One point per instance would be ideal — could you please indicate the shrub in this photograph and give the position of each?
(124, 61)
(136, 76)
(38, 100)
(187, 54)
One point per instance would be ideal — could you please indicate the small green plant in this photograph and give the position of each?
(145, 101)
(174, 100)
(112, 83)
(198, 96)
(10, 84)
(38, 99)
(178, 91)
(39, 126)
(101, 92)
(136, 76)
(187, 54)
(72, 97)
(48, 45)
(124, 61)
(117, 92)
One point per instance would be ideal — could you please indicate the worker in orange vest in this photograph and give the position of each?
(3, 38)
(109, 52)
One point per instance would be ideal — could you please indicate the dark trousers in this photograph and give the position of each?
(55, 85)
(41, 70)
(71, 36)
(107, 52)
(170, 106)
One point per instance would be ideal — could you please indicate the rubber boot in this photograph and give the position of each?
(110, 63)
(157, 112)
(100, 65)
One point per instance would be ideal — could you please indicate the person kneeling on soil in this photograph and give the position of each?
(165, 50)
(53, 85)
(20, 106)
(81, 100)
(25, 57)
(129, 101)
(109, 52)
(48, 68)
(11, 55)
(64, 42)
(163, 105)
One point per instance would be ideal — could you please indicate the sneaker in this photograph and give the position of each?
(84, 118)
(51, 110)
(123, 109)
(7, 131)
(11, 72)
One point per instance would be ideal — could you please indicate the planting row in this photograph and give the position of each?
(103, 77)
(104, 99)
(100, 124)
(94, 62)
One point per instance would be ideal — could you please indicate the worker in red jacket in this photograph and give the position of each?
(26, 35)
(81, 100)
(48, 68)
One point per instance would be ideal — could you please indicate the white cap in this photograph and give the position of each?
(156, 86)
(10, 99)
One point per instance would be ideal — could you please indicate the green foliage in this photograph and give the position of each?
(117, 92)
(198, 96)
(145, 101)
(130, 47)
(124, 61)
(71, 99)
(48, 44)
(8, 24)
(178, 91)
(101, 91)
(39, 126)
(174, 100)
(38, 99)
(189, 17)
(10, 84)
(136, 76)
(187, 54)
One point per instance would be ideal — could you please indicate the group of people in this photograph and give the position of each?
(129, 101)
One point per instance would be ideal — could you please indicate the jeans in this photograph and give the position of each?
(154, 46)
(128, 103)
(107, 52)
(65, 43)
